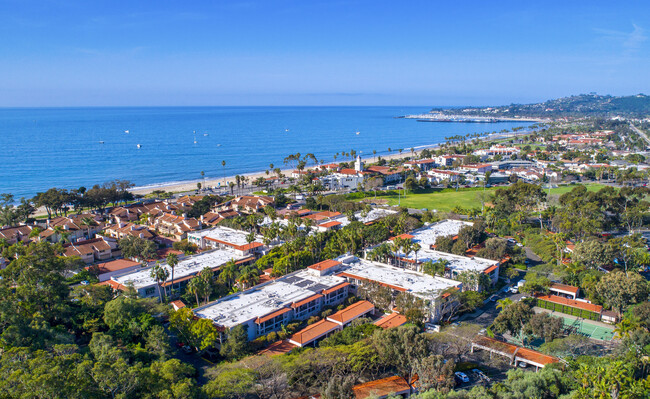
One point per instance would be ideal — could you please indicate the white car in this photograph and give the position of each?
(461, 376)
(523, 365)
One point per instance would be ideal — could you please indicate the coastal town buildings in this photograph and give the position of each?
(90, 251)
(186, 269)
(226, 238)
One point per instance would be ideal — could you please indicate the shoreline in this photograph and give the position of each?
(190, 185)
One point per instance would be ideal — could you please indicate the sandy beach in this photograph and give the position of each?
(215, 182)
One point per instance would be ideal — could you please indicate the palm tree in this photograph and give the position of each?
(88, 222)
(172, 261)
(248, 277)
(626, 326)
(196, 286)
(206, 276)
(160, 274)
(228, 273)
(223, 163)
(504, 303)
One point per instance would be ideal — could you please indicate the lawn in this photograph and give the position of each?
(447, 199)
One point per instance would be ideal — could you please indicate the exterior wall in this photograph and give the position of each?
(298, 314)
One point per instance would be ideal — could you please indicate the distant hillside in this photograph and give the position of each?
(574, 106)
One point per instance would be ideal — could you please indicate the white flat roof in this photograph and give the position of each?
(188, 266)
(263, 299)
(427, 235)
(419, 284)
(374, 214)
(232, 236)
(456, 262)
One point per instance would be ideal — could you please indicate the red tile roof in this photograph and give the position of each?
(324, 265)
(314, 331)
(571, 303)
(306, 300)
(381, 388)
(335, 288)
(536, 357)
(391, 320)
(352, 312)
(272, 315)
(490, 269)
(278, 348)
(565, 287)
(330, 224)
(114, 265)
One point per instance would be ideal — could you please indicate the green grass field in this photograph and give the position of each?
(447, 199)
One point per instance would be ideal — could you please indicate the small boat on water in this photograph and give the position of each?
(101, 142)
(358, 132)
(286, 130)
(139, 145)
(126, 131)
(218, 145)
(205, 134)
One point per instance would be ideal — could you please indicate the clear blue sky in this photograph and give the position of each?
(300, 52)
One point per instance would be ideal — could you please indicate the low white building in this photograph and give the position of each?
(426, 236)
(368, 217)
(505, 152)
(456, 264)
(435, 176)
(431, 289)
(186, 269)
(226, 238)
(268, 306)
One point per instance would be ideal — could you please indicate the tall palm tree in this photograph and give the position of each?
(172, 261)
(228, 273)
(206, 276)
(195, 286)
(160, 274)
(223, 163)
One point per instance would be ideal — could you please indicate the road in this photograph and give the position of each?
(640, 133)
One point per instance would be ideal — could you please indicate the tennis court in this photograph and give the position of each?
(587, 328)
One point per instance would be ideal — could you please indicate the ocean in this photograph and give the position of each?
(60, 147)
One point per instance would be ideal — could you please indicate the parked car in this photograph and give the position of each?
(462, 377)
(187, 349)
(513, 290)
(493, 298)
(481, 375)
(523, 365)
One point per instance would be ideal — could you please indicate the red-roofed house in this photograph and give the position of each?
(311, 334)
(392, 320)
(573, 307)
(91, 250)
(563, 290)
(105, 270)
(383, 388)
(345, 316)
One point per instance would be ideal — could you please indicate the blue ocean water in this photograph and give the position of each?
(60, 147)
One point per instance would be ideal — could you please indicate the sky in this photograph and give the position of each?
(329, 52)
